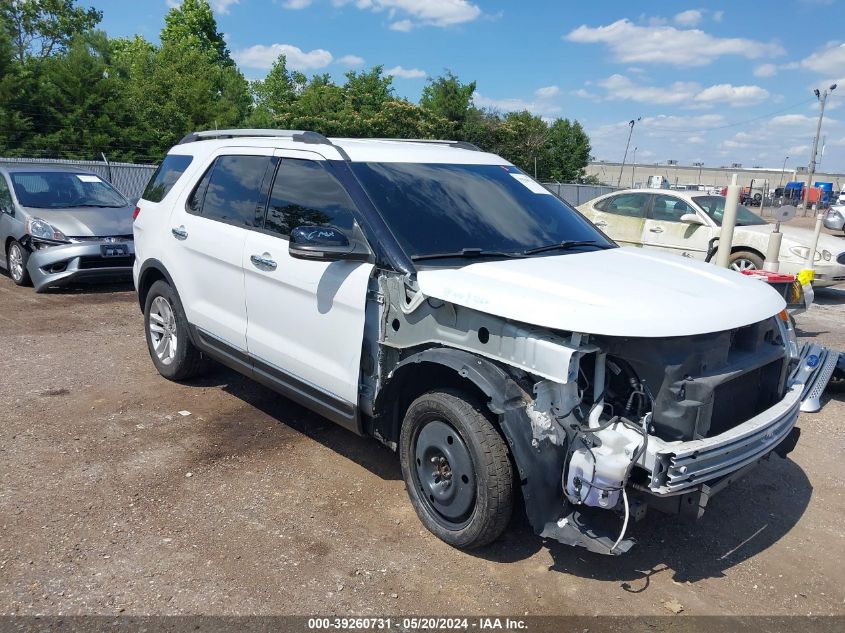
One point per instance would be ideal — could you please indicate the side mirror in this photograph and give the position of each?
(691, 218)
(326, 244)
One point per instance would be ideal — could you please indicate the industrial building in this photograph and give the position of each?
(636, 175)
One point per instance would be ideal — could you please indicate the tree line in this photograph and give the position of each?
(67, 90)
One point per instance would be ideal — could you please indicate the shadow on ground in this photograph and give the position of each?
(743, 520)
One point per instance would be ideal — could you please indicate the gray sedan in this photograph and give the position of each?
(59, 225)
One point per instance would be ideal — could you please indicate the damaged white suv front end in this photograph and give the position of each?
(623, 380)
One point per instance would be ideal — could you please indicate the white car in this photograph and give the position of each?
(434, 297)
(688, 223)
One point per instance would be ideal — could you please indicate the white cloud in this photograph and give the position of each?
(543, 106)
(681, 93)
(405, 73)
(412, 13)
(828, 60)
(718, 15)
(402, 26)
(766, 70)
(632, 43)
(296, 4)
(350, 60)
(732, 95)
(222, 6)
(547, 92)
(689, 18)
(622, 88)
(260, 56)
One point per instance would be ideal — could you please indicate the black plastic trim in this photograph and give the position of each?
(328, 405)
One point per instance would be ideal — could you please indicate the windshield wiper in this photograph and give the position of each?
(101, 206)
(564, 246)
(467, 253)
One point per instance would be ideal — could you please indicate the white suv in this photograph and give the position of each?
(436, 298)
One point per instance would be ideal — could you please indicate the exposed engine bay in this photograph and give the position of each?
(600, 428)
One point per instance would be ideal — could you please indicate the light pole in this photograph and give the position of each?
(631, 124)
(811, 254)
(634, 167)
(782, 170)
(700, 165)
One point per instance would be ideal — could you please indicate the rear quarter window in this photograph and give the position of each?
(167, 174)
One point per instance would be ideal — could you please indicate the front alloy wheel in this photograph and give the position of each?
(17, 258)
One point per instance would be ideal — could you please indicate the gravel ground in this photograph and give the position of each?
(112, 501)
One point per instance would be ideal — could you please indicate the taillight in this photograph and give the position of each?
(135, 213)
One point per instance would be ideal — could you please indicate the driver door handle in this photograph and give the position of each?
(601, 223)
(263, 261)
(656, 229)
(180, 232)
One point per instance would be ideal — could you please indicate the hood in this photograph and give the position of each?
(799, 236)
(617, 292)
(87, 221)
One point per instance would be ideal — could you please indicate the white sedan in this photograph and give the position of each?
(688, 223)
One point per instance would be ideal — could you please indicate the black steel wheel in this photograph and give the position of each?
(456, 469)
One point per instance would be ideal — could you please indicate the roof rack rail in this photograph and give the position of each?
(456, 144)
(303, 136)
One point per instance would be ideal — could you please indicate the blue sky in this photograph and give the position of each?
(718, 82)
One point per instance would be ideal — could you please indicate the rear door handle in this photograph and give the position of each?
(263, 261)
(180, 232)
(656, 229)
(601, 223)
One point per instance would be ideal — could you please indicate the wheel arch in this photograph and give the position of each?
(440, 368)
(538, 468)
(152, 271)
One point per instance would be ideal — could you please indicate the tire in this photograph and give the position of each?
(16, 258)
(166, 331)
(745, 260)
(466, 500)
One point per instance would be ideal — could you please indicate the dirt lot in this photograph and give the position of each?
(111, 501)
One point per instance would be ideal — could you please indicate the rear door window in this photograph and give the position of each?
(629, 205)
(165, 176)
(230, 191)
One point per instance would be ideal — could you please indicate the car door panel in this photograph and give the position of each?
(622, 217)
(306, 318)
(663, 229)
(208, 249)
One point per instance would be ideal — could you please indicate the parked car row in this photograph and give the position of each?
(436, 298)
(688, 223)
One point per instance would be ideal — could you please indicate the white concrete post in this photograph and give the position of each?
(726, 237)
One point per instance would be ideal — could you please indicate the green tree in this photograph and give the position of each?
(275, 94)
(367, 92)
(448, 98)
(192, 24)
(569, 151)
(41, 28)
(83, 108)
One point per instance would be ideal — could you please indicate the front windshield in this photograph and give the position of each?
(63, 190)
(714, 206)
(446, 208)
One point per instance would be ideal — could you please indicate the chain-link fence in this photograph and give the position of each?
(128, 178)
(576, 194)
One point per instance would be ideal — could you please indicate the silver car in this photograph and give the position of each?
(834, 219)
(59, 225)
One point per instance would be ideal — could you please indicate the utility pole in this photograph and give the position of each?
(811, 254)
(631, 124)
(634, 167)
(782, 170)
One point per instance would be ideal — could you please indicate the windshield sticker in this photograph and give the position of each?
(87, 178)
(533, 185)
